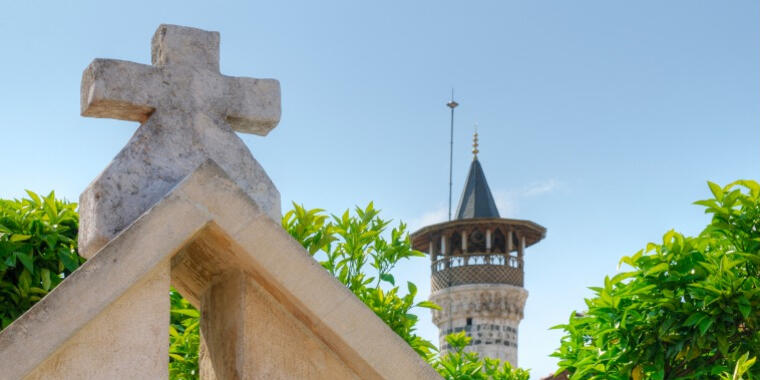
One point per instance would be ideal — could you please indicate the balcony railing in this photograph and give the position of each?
(476, 269)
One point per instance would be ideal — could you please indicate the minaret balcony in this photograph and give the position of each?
(477, 251)
(495, 268)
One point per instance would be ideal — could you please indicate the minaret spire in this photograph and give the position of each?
(476, 200)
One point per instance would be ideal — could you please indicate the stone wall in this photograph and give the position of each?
(489, 313)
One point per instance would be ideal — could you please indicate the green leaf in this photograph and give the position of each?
(742, 366)
(388, 278)
(26, 260)
(716, 190)
(412, 288)
(70, 262)
(695, 319)
(34, 197)
(657, 269)
(428, 305)
(11, 261)
(722, 345)
(744, 306)
(707, 203)
(25, 281)
(705, 324)
(659, 374)
(19, 237)
(45, 276)
(193, 313)
(622, 276)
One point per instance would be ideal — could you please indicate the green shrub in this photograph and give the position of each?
(38, 248)
(352, 248)
(184, 338)
(461, 365)
(688, 309)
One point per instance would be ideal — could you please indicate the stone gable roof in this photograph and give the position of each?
(204, 228)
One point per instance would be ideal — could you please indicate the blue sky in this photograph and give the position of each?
(599, 120)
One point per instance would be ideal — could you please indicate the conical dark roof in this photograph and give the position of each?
(476, 200)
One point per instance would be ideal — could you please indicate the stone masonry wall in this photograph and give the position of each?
(489, 313)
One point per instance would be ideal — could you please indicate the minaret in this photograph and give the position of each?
(477, 269)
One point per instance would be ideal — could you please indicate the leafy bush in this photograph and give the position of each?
(184, 338)
(347, 246)
(689, 309)
(38, 248)
(461, 365)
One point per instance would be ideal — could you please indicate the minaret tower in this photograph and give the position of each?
(477, 269)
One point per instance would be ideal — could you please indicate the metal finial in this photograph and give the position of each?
(452, 104)
(475, 150)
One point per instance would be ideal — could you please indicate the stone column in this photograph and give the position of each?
(488, 240)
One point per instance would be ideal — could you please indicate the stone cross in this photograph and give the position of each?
(189, 113)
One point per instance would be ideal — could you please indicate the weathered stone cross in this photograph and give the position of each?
(189, 112)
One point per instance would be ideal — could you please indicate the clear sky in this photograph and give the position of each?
(600, 120)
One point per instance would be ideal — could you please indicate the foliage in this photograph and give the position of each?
(461, 365)
(742, 366)
(38, 248)
(184, 338)
(689, 309)
(348, 245)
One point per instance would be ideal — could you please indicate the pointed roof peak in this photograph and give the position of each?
(476, 200)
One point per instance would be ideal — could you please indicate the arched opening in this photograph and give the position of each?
(499, 242)
(456, 244)
(476, 242)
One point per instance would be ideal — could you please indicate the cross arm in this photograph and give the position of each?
(120, 90)
(253, 105)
